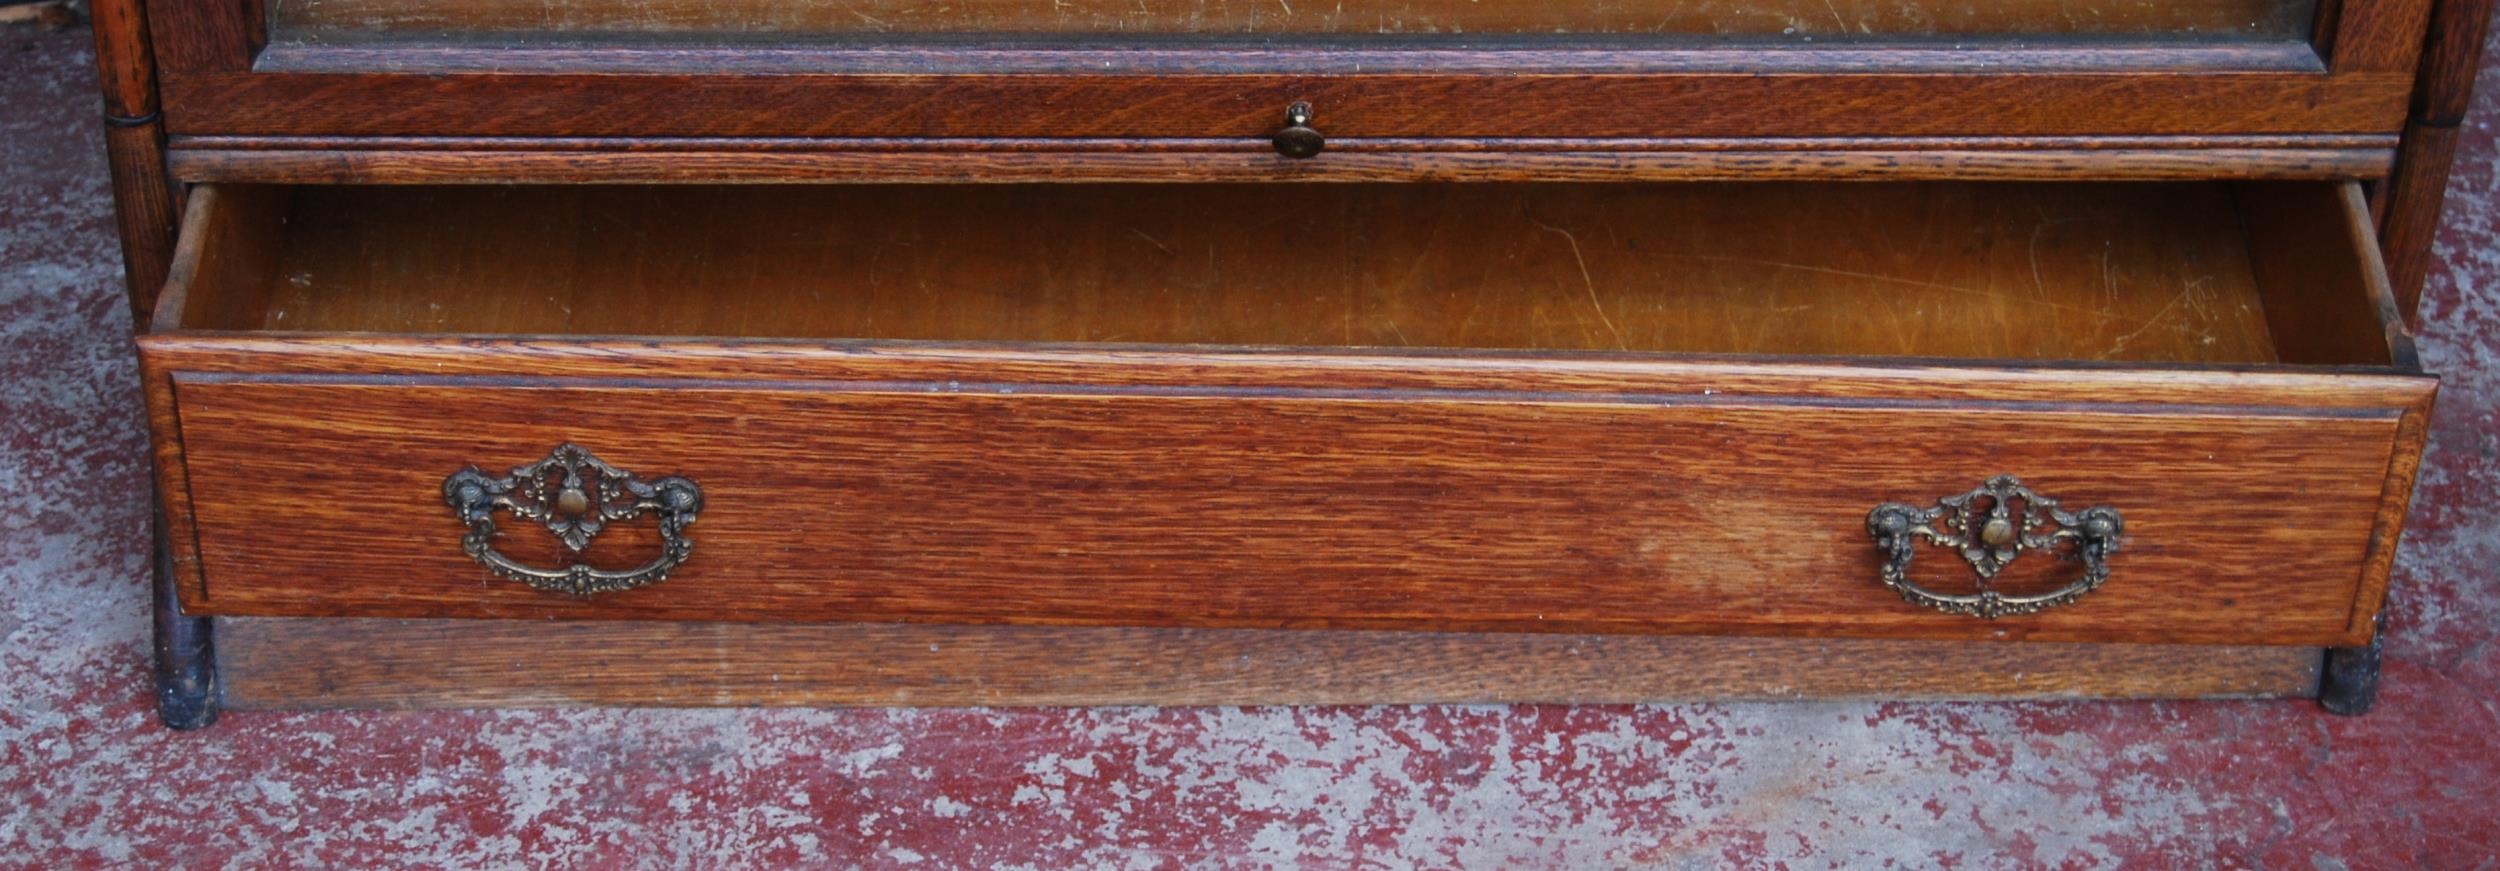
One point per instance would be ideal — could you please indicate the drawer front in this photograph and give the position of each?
(1721, 499)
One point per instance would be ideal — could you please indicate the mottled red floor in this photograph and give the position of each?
(88, 779)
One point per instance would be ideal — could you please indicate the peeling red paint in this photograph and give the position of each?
(90, 780)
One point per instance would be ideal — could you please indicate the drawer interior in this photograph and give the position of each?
(2194, 273)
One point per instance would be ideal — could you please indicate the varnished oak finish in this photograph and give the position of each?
(2045, 272)
(297, 664)
(1248, 106)
(464, 75)
(2420, 184)
(1616, 412)
(452, 161)
(1346, 488)
(2352, 78)
(350, 19)
(1026, 504)
(134, 143)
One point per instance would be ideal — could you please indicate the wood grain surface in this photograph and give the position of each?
(2415, 193)
(347, 19)
(1484, 415)
(603, 162)
(438, 77)
(2053, 272)
(922, 502)
(2293, 251)
(300, 664)
(1250, 105)
(134, 146)
(1343, 487)
(472, 159)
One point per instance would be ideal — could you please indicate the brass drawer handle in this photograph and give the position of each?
(576, 496)
(1298, 140)
(1991, 526)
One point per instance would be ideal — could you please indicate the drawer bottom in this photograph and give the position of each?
(299, 663)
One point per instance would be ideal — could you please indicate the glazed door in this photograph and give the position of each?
(2323, 81)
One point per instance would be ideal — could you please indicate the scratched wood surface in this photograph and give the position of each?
(2063, 272)
(316, 19)
(297, 664)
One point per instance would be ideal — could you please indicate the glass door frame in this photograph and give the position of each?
(2345, 89)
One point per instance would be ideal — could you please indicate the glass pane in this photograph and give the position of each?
(322, 20)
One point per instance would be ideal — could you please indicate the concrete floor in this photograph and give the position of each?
(87, 779)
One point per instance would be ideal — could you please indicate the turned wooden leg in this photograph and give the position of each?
(186, 664)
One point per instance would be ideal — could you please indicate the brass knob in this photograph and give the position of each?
(573, 503)
(1298, 140)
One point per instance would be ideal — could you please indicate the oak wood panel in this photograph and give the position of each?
(1157, 56)
(2319, 278)
(2403, 471)
(1707, 104)
(1025, 504)
(1251, 161)
(301, 664)
(450, 160)
(462, 257)
(232, 240)
(2414, 196)
(733, 362)
(204, 35)
(904, 145)
(2412, 436)
(2056, 272)
(346, 19)
(2379, 35)
(172, 480)
(229, 243)
(2451, 57)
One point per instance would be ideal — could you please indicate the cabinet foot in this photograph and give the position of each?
(2349, 685)
(186, 663)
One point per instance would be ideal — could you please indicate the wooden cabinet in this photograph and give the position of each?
(1408, 350)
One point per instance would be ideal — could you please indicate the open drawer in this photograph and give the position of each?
(1729, 409)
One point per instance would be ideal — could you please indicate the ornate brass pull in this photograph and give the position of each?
(1990, 530)
(576, 496)
(1298, 140)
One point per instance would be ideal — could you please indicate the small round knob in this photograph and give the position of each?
(2101, 525)
(1997, 532)
(1298, 140)
(680, 498)
(572, 502)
